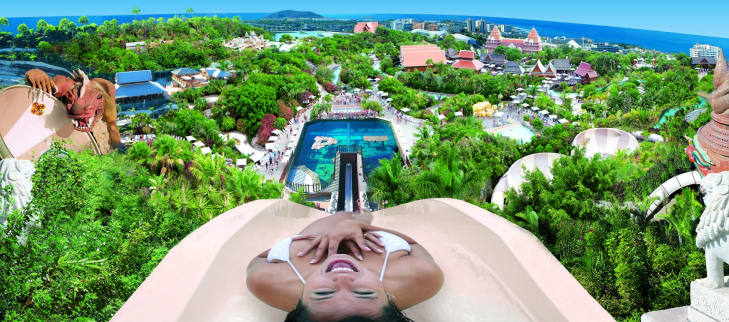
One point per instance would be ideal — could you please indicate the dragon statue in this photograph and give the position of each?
(87, 100)
(709, 150)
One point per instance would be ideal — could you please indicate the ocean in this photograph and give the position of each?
(658, 40)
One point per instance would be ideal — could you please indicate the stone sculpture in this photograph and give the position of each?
(712, 233)
(16, 173)
(87, 100)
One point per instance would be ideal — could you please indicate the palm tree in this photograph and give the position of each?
(83, 20)
(136, 10)
(385, 180)
(4, 22)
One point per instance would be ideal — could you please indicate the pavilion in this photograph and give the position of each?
(137, 87)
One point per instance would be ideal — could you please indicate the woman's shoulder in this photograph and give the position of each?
(412, 277)
(273, 283)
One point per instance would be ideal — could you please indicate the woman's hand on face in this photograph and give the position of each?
(348, 232)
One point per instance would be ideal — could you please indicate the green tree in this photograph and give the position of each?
(250, 102)
(136, 10)
(83, 20)
(4, 22)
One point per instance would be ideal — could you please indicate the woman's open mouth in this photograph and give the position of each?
(341, 265)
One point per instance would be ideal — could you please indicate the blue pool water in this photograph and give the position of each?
(520, 133)
(347, 132)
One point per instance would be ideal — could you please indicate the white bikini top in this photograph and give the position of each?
(282, 251)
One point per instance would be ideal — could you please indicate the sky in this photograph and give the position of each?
(706, 18)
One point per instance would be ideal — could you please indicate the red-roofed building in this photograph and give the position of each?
(586, 73)
(531, 44)
(466, 54)
(366, 27)
(415, 57)
(474, 65)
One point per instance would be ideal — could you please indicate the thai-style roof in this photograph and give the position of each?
(703, 60)
(497, 59)
(513, 67)
(584, 69)
(495, 34)
(137, 76)
(561, 65)
(451, 53)
(418, 55)
(466, 54)
(533, 36)
(538, 69)
(469, 64)
(550, 70)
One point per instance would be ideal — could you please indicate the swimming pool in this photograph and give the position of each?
(346, 132)
(515, 131)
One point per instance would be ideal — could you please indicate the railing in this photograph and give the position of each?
(352, 148)
(308, 188)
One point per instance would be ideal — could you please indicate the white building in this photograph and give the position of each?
(700, 50)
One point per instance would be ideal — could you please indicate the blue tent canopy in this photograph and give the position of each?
(185, 71)
(138, 76)
(138, 90)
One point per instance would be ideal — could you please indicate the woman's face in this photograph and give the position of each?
(341, 287)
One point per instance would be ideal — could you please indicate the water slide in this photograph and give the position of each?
(348, 190)
(493, 269)
(672, 185)
(348, 207)
(605, 141)
(514, 177)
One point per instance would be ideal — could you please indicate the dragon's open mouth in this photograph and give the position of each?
(84, 124)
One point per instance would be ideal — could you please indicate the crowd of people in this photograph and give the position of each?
(348, 115)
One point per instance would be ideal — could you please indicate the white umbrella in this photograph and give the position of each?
(499, 114)
(534, 108)
(513, 96)
(520, 89)
(206, 150)
(240, 163)
(525, 105)
(270, 146)
(190, 138)
(563, 121)
(299, 108)
(198, 144)
(545, 112)
(441, 117)
(405, 110)
(552, 116)
(276, 132)
(459, 113)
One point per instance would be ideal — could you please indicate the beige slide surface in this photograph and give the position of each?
(494, 270)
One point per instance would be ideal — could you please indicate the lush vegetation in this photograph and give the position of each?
(80, 256)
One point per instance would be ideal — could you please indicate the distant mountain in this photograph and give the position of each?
(293, 14)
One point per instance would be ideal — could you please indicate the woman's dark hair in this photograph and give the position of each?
(390, 313)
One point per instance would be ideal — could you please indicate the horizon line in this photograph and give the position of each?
(364, 14)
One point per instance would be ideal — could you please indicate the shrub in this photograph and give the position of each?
(227, 124)
(240, 126)
(280, 123)
(331, 87)
(537, 124)
(285, 112)
(264, 131)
